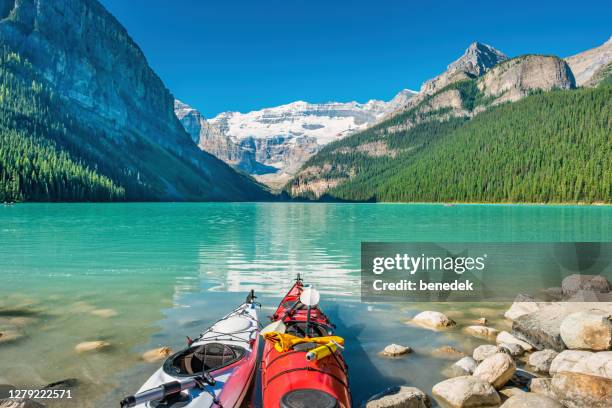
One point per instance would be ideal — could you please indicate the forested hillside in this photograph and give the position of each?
(548, 147)
(37, 161)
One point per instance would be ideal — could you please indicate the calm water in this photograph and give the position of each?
(145, 275)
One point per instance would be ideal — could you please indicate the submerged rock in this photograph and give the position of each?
(541, 360)
(591, 330)
(105, 313)
(9, 335)
(482, 332)
(433, 320)
(578, 390)
(91, 346)
(399, 397)
(497, 370)
(466, 391)
(156, 354)
(529, 400)
(447, 352)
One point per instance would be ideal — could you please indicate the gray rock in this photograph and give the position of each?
(512, 349)
(399, 397)
(542, 328)
(466, 391)
(576, 282)
(466, 366)
(484, 351)
(541, 360)
(599, 364)
(587, 64)
(528, 400)
(578, 390)
(523, 304)
(497, 370)
(590, 330)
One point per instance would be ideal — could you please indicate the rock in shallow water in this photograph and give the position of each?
(482, 332)
(156, 354)
(465, 366)
(91, 346)
(433, 320)
(447, 352)
(591, 330)
(399, 397)
(466, 391)
(9, 335)
(497, 370)
(529, 400)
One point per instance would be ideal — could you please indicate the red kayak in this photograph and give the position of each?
(289, 379)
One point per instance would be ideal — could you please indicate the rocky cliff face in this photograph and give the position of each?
(515, 78)
(587, 64)
(104, 82)
(273, 143)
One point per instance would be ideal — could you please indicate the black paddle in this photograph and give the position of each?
(167, 389)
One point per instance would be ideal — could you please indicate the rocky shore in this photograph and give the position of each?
(557, 354)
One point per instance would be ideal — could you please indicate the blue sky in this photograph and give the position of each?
(245, 55)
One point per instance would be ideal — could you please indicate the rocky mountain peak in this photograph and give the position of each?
(477, 59)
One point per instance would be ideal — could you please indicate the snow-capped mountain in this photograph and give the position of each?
(273, 143)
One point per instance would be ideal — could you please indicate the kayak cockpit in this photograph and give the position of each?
(203, 357)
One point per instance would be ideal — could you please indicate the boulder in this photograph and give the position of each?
(512, 349)
(566, 360)
(505, 337)
(542, 328)
(484, 351)
(594, 283)
(529, 400)
(91, 346)
(496, 370)
(599, 364)
(578, 390)
(399, 397)
(465, 392)
(542, 386)
(482, 332)
(591, 330)
(433, 320)
(447, 352)
(541, 360)
(156, 354)
(523, 304)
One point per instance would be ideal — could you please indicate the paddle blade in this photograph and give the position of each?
(277, 326)
(310, 297)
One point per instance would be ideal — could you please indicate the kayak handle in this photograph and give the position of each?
(166, 389)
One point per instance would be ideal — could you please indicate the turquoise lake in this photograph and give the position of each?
(145, 275)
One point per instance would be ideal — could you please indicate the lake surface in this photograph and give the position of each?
(145, 275)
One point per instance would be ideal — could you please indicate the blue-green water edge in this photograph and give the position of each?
(143, 275)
